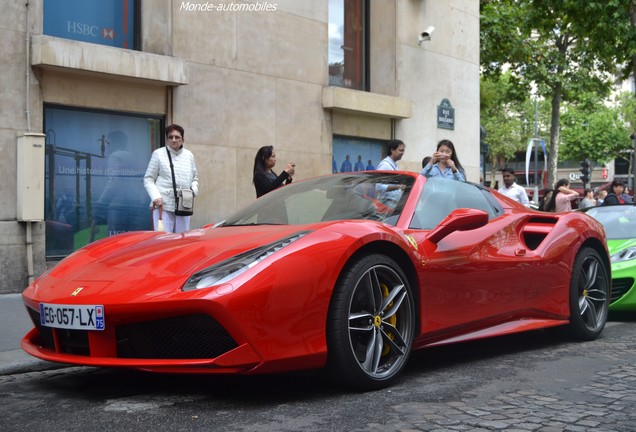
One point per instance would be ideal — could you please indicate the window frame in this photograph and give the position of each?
(361, 62)
(89, 189)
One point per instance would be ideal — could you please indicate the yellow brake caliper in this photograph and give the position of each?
(391, 320)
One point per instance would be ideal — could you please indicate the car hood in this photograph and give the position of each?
(149, 264)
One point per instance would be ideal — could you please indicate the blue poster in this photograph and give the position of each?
(95, 164)
(97, 21)
(356, 154)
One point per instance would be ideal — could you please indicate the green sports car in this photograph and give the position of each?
(619, 222)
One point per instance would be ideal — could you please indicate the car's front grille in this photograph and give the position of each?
(69, 341)
(73, 341)
(184, 337)
(196, 336)
(620, 287)
(46, 333)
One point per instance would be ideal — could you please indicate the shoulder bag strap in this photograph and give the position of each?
(174, 182)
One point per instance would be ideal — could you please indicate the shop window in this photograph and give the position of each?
(621, 166)
(94, 167)
(113, 23)
(348, 43)
(356, 154)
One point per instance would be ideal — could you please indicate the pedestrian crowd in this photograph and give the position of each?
(561, 197)
(171, 180)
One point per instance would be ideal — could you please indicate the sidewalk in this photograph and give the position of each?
(15, 323)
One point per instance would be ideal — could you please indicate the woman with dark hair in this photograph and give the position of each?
(562, 197)
(615, 191)
(444, 163)
(265, 180)
(547, 195)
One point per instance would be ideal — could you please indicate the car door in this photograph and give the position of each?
(476, 277)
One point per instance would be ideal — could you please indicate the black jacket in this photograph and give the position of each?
(265, 182)
(612, 199)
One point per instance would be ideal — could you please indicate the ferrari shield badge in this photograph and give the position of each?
(412, 241)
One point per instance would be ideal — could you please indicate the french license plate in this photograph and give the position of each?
(72, 317)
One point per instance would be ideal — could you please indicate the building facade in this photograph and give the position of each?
(88, 88)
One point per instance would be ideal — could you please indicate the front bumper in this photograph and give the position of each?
(184, 343)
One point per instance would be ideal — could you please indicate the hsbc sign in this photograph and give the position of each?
(109, 23)
(81, 29)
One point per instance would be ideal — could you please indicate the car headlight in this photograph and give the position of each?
(624, 255)
(227, 270)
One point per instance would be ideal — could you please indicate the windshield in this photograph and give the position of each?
(619, 221)
(366, 195)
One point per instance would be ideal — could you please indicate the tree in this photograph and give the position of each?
(563, 47)
(501, 117)
(627, 106)
(628, 113)
(632, 20)
(591, 129)
(509, 118)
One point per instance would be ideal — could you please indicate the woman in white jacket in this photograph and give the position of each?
(158, 179)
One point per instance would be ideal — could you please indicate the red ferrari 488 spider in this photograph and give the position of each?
(346, 272)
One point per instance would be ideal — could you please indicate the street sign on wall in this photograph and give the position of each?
(445, 115)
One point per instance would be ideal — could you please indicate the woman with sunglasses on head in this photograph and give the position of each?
(444, 163)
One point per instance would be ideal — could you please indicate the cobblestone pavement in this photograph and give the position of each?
(604, 402)
(517, 383)
(527, 410)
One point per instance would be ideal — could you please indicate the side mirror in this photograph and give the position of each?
(462, 219)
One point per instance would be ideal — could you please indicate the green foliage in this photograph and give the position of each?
(593, 130)
(500, 116)
(509, 117)
(627, 106)
(564, 50)
(571, 45)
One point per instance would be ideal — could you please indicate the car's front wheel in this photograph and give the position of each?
(589, 295)
(371, 323)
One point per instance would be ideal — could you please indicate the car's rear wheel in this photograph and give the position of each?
(589, 295)
(371, 324)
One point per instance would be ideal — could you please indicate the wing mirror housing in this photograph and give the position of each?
(463, 219)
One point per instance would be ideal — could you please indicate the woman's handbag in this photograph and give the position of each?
(184, 204)
(183, 198)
